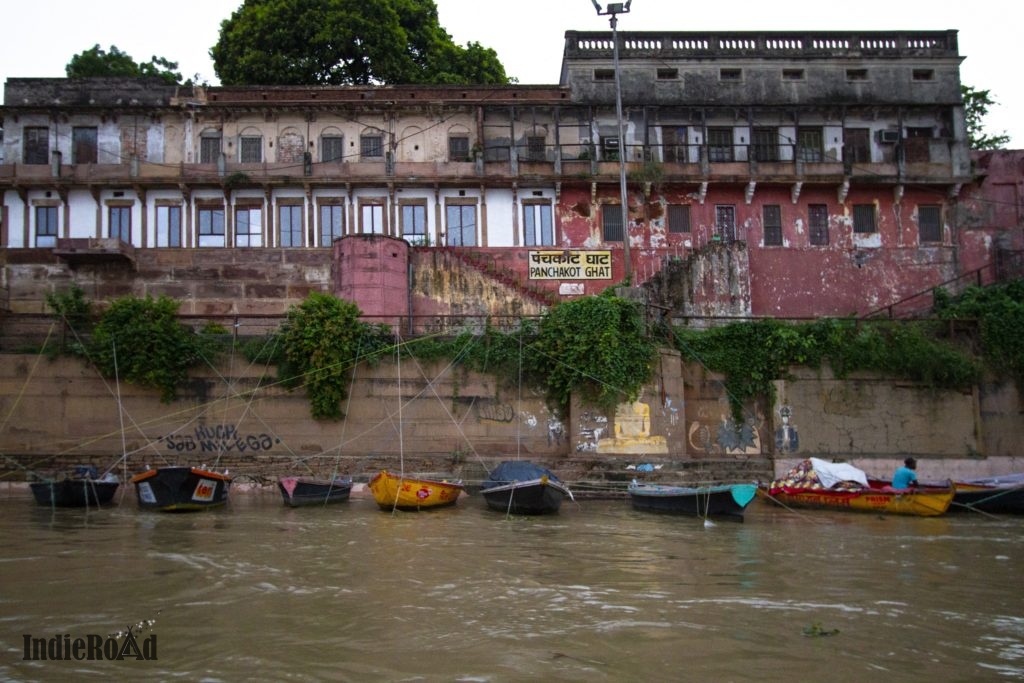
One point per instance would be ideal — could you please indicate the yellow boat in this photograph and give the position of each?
(393, 491)
(922, 501)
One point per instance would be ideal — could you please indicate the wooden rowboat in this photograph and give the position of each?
(84, 488)
(176, 489)
(727, 501)
(401, 492)
(524, 488)
(878, 496)
(302, 491)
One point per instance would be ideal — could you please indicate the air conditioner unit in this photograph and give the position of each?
(888, 137)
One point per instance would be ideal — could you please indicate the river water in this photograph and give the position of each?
(597, 593)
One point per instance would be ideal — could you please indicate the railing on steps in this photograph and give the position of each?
(921, 304)
(488, 265)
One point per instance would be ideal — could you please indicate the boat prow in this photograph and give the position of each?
(177, 489)
(524, 488)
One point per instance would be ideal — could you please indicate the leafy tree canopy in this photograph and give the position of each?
(97, 62)
(346, 42)
(976, 105)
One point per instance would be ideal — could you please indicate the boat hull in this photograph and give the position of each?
(74, 493)
(536, 497)
(727, 501)
(989, 498)
(392, 491)
(181, 489)
(306, 491)
(921, 501)
(521, 487)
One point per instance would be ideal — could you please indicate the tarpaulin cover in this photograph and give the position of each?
(516, 470)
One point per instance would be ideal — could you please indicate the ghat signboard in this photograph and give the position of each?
(570, 265)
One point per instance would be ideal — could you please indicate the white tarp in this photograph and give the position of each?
(831, 473)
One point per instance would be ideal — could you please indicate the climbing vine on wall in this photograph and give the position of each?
(595, 347)
(999, 310)
(320, 341)
(141, 341)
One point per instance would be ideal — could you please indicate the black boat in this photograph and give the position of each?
(991, 494)
(173, 489)
(728, 501)
(300, 491)
(82, 489)
(523, 488)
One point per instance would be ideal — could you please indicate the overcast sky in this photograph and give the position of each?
(528, 35)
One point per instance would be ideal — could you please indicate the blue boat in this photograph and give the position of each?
(524, 488)
(726, 501)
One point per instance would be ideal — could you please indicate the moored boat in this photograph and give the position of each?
(991, 494)
(523, 488)
(818, 484)
(302, 491)
(727, 501)
(403, 492)
(174, 489)
(84, 488)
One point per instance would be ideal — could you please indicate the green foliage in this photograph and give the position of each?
(976, 105)
(76, 315)
(999, 310)
(140, 341)
(320, 340)
(596, 347)
(346, 42)
(97, 62)
(753, 354)
(72, 308)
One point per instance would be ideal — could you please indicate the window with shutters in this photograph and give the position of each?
(864, 218)
(538, 228)
(611, 222)
(83, 145)
(289, 225)
(725, 222)
(168, 226)
(332, 148)
(211, 226)
(772, 225)
(929, 223)
(250, 149)
(679, 218)
(209, 148)
(332, 223)
(36, 145)
(46, 226)
(413, 222)
(120, 223)
(817, 220)
(249, 226)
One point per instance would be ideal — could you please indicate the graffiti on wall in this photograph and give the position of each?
(220, 439)
(722, 436)
(632, 433)
(592, 426)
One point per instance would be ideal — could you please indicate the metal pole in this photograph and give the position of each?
(624, 197)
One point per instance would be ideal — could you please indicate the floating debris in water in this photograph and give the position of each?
(816, 631)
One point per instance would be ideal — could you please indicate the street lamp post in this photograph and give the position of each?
(613, 10)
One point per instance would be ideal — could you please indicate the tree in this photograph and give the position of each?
(976, 104)
(97, 62)
(346, 42)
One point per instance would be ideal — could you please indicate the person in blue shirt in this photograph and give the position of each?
(905, 476)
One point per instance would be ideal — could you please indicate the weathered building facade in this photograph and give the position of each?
(768, 174)
(781, 174)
